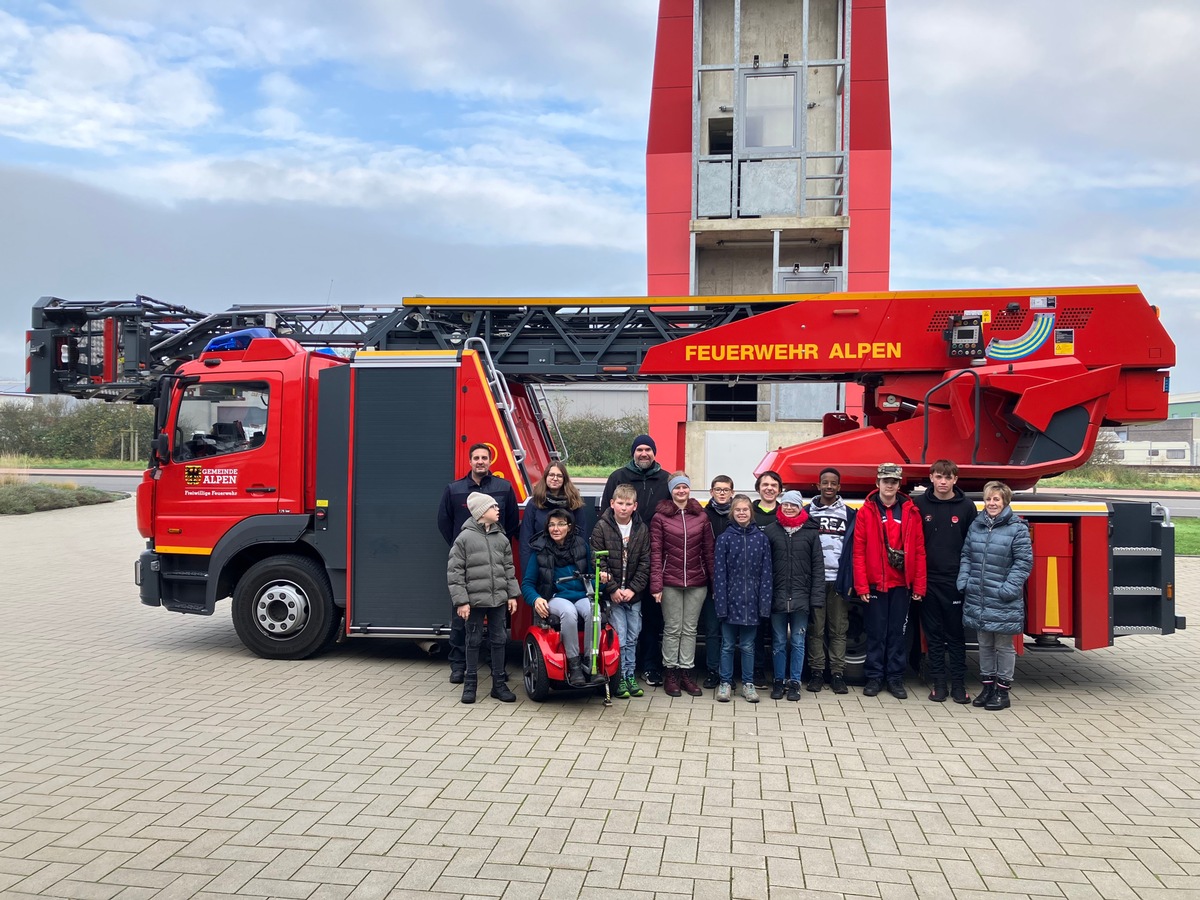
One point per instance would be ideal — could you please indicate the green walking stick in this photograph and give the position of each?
(599, 554)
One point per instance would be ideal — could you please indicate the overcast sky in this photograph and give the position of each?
(213, 152)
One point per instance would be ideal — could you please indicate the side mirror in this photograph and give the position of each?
(162, 447)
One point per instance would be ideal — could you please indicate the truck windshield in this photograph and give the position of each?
(216, 418)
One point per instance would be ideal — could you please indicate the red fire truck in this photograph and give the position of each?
(301, 452)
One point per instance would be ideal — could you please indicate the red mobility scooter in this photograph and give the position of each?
(544, 662)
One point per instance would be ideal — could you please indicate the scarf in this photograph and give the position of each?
(790, 521)
(564, 553)
(721, 509)
(643, 473)
(553, 501)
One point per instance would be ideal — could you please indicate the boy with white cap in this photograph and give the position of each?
(482, 581)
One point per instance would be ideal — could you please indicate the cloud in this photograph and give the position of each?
(1042, 146)
(208, 256)
(71, 87)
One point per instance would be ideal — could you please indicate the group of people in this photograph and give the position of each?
(770, 581)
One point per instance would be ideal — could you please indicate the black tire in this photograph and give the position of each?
(533, 667)
(856, 645)
(283, 608)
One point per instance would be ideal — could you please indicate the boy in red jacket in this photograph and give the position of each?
(889, 570)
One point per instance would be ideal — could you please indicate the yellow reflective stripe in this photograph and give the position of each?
(189, 551)
(1053, 619)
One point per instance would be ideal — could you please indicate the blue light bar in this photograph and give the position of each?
(237, 340)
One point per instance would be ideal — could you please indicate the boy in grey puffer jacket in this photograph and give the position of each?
(482, 581)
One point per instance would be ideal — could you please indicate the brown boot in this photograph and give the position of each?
(671, 683)
(689, 684)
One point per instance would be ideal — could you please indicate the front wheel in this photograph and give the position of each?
(533, 666)
(283, 608)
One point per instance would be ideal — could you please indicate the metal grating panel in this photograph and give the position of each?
(1074, 318)
(1005, 321)
(940, 320)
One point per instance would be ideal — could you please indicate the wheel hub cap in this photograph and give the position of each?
(281, 609)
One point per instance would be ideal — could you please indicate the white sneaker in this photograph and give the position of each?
(750, 693)
(723, 692)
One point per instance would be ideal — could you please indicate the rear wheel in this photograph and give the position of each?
(856, 645)
(533, 666)
(283, 608)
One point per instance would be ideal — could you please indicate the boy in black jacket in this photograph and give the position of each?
(626, 575)
(946, 514)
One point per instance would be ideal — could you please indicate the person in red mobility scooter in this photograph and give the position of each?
(556, 584)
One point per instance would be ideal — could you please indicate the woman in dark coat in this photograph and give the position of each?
(997, 558)
(554, 490)
(798, 577)
(556, 583)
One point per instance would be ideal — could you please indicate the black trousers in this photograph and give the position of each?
(885, 618)
(650, 640)
(457, 652)
(941, 620)
(497, 637)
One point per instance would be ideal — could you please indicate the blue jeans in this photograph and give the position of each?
(743, 637)
(627, 620)
(782, 646)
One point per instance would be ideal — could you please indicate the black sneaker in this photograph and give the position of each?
(652, 678)
(838, 682)
(456, 676)
(896, 689)
(777, 689)
(872, 687)
(760, 679)
(793, 691)
(816, 682)
(711, 680)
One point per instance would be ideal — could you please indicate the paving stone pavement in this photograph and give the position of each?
(147, 754)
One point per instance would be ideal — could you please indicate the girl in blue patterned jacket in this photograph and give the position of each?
(742, 591)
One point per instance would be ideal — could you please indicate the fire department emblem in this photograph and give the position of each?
(192, 475)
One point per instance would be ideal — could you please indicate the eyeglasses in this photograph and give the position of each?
(721, 490)
(557, 475)
(558, 525)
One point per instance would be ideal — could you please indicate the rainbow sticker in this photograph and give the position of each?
(1029, 342)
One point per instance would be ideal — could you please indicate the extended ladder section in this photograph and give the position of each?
(117, 350)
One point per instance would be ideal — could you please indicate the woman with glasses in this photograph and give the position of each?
(553, 490)
(557, 583)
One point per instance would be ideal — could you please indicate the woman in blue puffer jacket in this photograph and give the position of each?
(997, 558)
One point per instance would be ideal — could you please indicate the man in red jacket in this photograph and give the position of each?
(889, 569)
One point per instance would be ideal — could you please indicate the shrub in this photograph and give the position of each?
(57, 428)
(596, 440)
(20, 499)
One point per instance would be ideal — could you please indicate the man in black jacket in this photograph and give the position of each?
(453, 512)
(946, 514)
(717, 509)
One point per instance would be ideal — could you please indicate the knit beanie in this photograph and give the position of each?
(478, 503)
(792, 497)
(643, 439)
